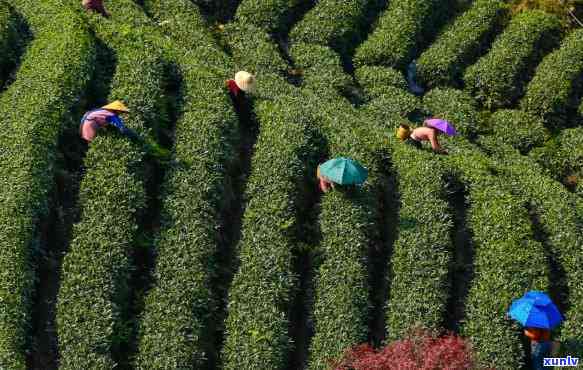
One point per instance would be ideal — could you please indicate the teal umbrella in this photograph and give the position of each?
(343, 171)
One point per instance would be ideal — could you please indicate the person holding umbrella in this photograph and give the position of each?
(537, 313)
(340, 171)
(429, 132)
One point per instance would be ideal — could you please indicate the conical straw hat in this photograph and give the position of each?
(116, 106)
(245, 81)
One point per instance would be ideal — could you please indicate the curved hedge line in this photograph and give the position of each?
(460, 43)
(375, 79)
(502, 233)
(190, 38)
(400, 30)
(195, 192)
(269, 15)
(499, 77)
(52, 76)
(94, 287)
(457, 107)
(559, 214)
(419, 285)
(334, 23)
(554, 90)
(519, 129)
(262, 289)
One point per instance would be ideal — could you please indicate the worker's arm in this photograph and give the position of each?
(434, 143)
(118, 123)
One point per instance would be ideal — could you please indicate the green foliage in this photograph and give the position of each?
(322, 68)
(262, 289)
(455, 106)
(334, 23)
(374, 79)
(269, 15)
(555, 89)
(422, 254)
(94, 288)
(559, 214)
(519, 129)
(400, 31)
(53, 73)
(507, 263)
(253, 50)
(461, 43)
(499, 77)
(563, 155)
(8, 39)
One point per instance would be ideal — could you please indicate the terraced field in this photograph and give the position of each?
(226, 255)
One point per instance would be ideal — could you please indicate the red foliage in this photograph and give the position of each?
(420, 351)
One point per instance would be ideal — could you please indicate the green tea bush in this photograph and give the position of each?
(374, 79)
(507, 262)
(195, 192)
(422, 252)
(520, 129)
(322, 68)
(554, 89)
(499, 77)
(391, 108)
(51, 78)
(334, 23)
(455, 106)
(268, 15)
(461, 43)
(262, 289)
(190, 38)
(254, 51)
(400, 31)
(94, 287)
(559, 214)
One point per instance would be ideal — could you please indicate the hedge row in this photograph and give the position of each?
(94, 288)
(499, 77)
(399, 32)
(422, 253)
(334, 23)
(507, 262)
(254, 51)
(517, 128)
(195, 193)
(52, 76)
(263, 287)
(457, 107)
(560, 215)
(375, 79)
(461, 43)
(269, 15)
(190, 38)
(322, 68)
(554, 90)
(347, 221)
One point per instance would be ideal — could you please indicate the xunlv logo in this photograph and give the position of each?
(561, 361)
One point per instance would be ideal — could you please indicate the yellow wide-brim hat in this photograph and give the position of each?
(116, 106)
(403, 133)
(245, 81)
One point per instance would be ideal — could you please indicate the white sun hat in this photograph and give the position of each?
(245, 81)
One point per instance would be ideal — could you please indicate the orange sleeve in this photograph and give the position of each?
(531, 334)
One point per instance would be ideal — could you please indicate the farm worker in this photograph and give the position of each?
(429, 132)
(537, 313)
(93, 120)
(540, 346)
(96, 6)
(340, 171)
(243, 83)
(323, 182)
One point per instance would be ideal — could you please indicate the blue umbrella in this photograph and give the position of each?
(344, 171)
(535, 310)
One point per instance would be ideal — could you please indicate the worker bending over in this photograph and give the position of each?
(96, 119)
